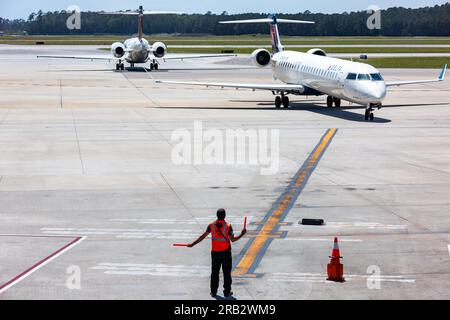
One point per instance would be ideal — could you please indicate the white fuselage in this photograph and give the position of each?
(137, 50)
(352, 81)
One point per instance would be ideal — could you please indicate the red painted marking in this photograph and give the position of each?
(37, 264)
(245, 223)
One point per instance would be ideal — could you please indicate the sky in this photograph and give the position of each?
(22, 8)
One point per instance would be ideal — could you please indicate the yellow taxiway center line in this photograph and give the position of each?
(242, 269)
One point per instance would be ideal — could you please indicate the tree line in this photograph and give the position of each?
(397, 21)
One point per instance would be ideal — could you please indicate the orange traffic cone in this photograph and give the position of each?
(335, 268)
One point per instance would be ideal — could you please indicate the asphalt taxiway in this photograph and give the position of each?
(91, 199)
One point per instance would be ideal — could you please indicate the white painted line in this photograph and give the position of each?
(40, 264)
(321, 278)
(34, 235)
(234, 220)
(126, 233)
(368, 225)
(159, 270)
(318, 239)
(449, 249)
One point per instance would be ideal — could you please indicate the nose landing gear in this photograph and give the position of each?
(369, 111)
(369, 115)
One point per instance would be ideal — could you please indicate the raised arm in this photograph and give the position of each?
(234, 239)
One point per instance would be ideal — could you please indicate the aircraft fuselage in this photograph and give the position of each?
(352, 81)
(138, 50)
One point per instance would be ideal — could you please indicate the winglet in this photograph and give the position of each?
(442, 75)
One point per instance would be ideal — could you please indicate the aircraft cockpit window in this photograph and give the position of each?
(362, 76)
(376, 77)
(351, 76)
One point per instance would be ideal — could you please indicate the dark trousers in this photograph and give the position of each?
(221, 259)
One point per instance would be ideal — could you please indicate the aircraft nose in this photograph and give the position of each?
(378, 92)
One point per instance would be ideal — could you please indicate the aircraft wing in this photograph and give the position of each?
(201, 56)
(104, 58)
(402, 83)
(269, 87)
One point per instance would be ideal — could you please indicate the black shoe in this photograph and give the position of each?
(227, 295)
(213, 295)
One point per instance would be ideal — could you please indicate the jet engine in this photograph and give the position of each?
(159, 49)
(261, 57)
(317, 52)
(118, 50)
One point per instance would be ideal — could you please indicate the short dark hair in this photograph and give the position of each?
(221, 213)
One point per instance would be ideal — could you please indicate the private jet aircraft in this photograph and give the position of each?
(315, 73)
(137, 50)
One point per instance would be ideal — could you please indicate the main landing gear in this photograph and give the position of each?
(120, 66)
(283, 100)
(332, 100)
(154, 65)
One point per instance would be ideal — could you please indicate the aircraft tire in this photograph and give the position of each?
(329, 101)
(286, 102)
(278, 102)
(337, 102)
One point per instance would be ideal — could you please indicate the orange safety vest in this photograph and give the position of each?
(220, 240)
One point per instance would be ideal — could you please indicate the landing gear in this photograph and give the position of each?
(329, 101)
(282, 101)
(120, 66)
(278, 102)
(337, 102)
(285, 101)
(154, 65)
(332, 100)
(369, 114)
(369, 111)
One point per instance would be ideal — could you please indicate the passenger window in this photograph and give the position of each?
(351, 76)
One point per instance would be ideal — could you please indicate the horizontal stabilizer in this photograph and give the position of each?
(146, 13)
(267, 20)
(104, 58)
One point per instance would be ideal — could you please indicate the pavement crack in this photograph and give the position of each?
(61, 94)
(160, 135)
(142, 92)
(78, 143)
(180, 200)
(5, 116)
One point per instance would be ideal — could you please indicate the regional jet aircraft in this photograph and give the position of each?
(314, 73)
(137, 50)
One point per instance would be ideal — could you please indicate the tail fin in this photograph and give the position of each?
(273, 21)
(141, 13)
